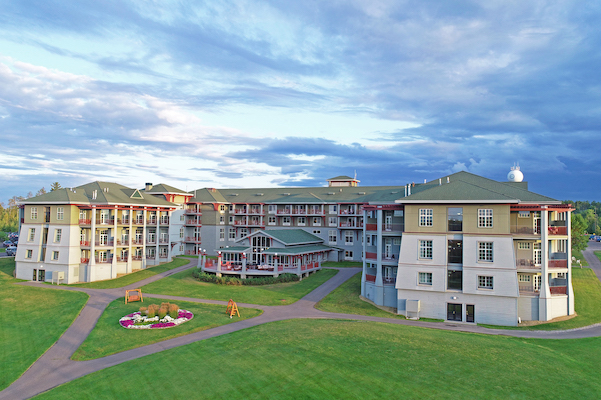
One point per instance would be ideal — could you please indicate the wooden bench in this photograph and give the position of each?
(133, 295)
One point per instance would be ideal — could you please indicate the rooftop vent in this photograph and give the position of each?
(331, 193)
(234, 194)
(259, 194)
(285, 194)
(361, 193)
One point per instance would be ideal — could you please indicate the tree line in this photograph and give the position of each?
(585, 222)
(9, 213)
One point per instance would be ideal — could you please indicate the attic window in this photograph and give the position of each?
(105, 189)
(331, 193)
(136, 195)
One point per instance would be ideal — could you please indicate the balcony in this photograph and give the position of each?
(370, 278)
(85, 221)
(353, 225)
(558, 289)
(123, 242)
(386, 227)
(524, 230)
(106, 260)
(151, 241)
(121, 259)
(525, 263)
(137, 241)
(299, 212)
(388, 281)
(163, 241)
(106, 221)
(84, 243)
(151, 221)
(558, 230)
(192, 239)
(164, 221)
(371, 255)
(193, 222)
(528, 290)
(192, 211)
(104, 243)
(558, 263)
(84, 260)
(136, 258)
(285, 211)
(316, 212)
(162, 255)
(124, 221)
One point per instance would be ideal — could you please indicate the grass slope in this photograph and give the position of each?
(108, 337)
(32, 320)
(317, 359)
(134, 276)
(183, 284)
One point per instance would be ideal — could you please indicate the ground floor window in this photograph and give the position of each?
(348, 255)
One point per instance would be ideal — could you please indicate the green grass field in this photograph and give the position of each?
(319, 359)
(134, 276)
(108, 337)
(183, 284)
(342, 264)
(32, 320)
(579, 256)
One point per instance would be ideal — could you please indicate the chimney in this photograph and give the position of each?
(148, 186)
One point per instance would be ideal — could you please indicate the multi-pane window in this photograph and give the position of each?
(524, 278)
(485, 251)
(524, 245)
(333, 208)
(425, 216)
(222, 208)
(34, 213)
(396, 241)
(485, 218)
(221, 233)
(425, 278)
(243, 232)
(286, 221)
(181, 232)
(332, 221)
(60, 213)
(348, 255)
(58, 233)
(301, 221)
(272, 208)
(425, 249)
(55, 255)
(316, 221)
(29, 254)
(232, 235)
(271, 220)
(221, 219)
(332, 236)
(485, 282)
(348, 237)
(31, 234)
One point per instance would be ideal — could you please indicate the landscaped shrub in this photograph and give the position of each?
(153, 310)
(173, 311)
(165, 308)
(227, 280)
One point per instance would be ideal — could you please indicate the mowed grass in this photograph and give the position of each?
(32, 320)
(109, 337)
(319, 359)
(134, 277)
(342, 264)
(183, 284)
(345, 299)
(578, 255)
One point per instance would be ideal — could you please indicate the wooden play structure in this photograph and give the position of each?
(232, 308)
(133, 295)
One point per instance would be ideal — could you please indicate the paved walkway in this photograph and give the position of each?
(55, 367)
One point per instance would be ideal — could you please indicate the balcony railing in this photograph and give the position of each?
(164, 221)
(284, 211)
(192, 239)
(193, 222)
(84, 243)
(124, 221)
(558, 263)
(388, 281)
(558, 230)
(137, 241)
(163, 241)
(386, 227)
(357, 225)
(192, 211)
(524, 230)
(136, 258)
(151, 221)
(558, 289)
(526, 263)
(107, 260)
(109, 221)
(106, 243)
(370, 278)
(371, 255)
(84, 260)
(162, 255)
(85, 221)
(316, 212)
(139, 221)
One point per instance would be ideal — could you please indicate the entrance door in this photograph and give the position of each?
(470, 315)
(41, 275)
(537, 283)
(388, 222)
(454, 312)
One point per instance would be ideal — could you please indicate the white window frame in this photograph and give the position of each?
(29, 254)
(332, 221)
(232, 234)
(31, 235)
(221, 234)
(34, 213)
(286, 221)
(58, 233)
(424, 278)
(181, 232)
(332, 234)
(425, 251)
(55, 256)
(523, 245)
(396, 241)
(348, 254)
(349, 238)
(485, 252)
(271, 220)
(272, 208)
(316, 221)
(426, 217)
(524, 278)
(485, 218)
(301, 221)
(243, 232)
(333, 209)
(60, 213)
(485, 282)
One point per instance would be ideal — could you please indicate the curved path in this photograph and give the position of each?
(55, 367)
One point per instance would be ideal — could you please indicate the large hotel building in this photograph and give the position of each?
(459, 248)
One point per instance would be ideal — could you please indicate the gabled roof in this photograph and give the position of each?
(289, 237)
(299, 249)
(162, 188)
(341, 178)
(106, 193)
(208, 196)
(464, 187)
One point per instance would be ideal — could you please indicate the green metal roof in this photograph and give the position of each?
(299, 249)
(235, 249)
(106, 193)
(290, 237)
(163, 188)
(464, 186)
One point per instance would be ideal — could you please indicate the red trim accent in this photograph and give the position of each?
(384, 207)
(538, 207)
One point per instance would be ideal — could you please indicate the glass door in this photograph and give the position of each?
(454, 312)
(470, 315)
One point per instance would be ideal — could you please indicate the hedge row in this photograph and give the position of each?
(231, 280)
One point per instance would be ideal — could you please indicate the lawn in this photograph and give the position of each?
(183, 284)
(108, 337)
(317, 359)
(134, 276)
(578, 255)
(32, 320)
(342, 264)
(345, 299)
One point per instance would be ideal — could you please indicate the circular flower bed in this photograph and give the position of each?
(138, 321)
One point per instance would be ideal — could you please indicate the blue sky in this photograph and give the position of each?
(266, 93)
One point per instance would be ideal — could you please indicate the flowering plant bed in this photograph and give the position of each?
(138, 321)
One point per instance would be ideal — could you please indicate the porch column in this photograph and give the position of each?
(275, 265)
(243, 274)
(218, 263)
(129, 267)
(379, 295)
(299, 269)
(92, 262)
(545, 292)
(144, 238)
(570, 289)
(363, 274)
(114, 259)
(199, 261)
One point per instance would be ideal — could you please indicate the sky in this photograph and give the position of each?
(290, 93)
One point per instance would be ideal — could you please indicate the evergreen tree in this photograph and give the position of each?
(55, 186)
